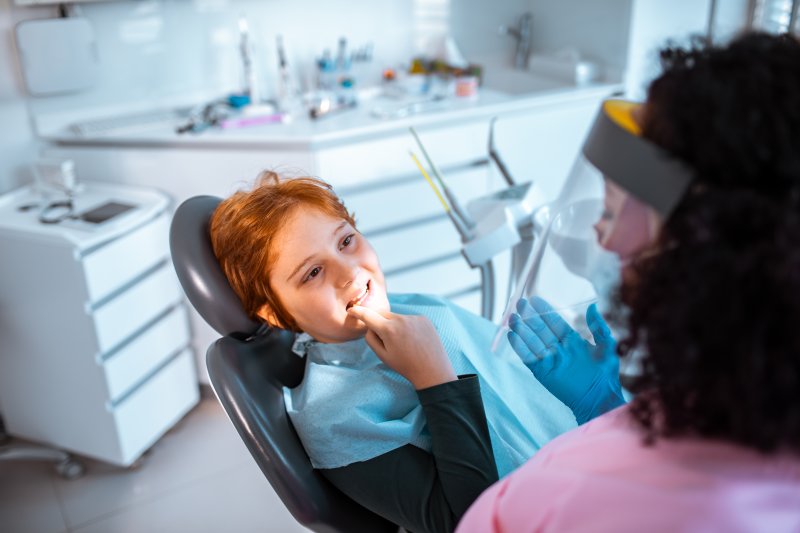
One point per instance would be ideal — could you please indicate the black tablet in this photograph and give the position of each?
(105, 212)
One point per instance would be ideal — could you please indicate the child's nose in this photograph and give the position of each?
(348, 273)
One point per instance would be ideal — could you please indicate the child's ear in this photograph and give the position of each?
(268, 315)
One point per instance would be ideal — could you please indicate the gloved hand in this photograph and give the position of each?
(584, 376)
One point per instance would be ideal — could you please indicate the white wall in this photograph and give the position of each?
(18, 144)
(597, 29)
(158, 49)
(730, 16)
(653, 24)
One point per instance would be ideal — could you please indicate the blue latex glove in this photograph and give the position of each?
(584, 376)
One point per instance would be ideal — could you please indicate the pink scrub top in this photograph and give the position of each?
(600, 477)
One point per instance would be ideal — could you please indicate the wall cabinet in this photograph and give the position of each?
(95, 355)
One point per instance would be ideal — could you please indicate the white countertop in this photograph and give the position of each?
(20, 210)
(341, 127)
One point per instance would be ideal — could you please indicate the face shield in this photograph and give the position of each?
(610, 207)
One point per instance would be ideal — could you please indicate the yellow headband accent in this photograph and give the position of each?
(622, 112)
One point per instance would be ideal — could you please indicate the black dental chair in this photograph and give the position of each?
(248, 367)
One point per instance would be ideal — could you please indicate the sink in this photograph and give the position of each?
(518, 82)
(544, 72)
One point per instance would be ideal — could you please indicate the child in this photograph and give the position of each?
(291, 252)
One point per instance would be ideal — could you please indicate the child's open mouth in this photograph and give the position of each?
(358, 300)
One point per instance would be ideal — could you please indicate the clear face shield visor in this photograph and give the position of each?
(610, 207)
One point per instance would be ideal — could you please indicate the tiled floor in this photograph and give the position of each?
(199, 477)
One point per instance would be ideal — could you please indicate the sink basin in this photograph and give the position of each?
(518, 82)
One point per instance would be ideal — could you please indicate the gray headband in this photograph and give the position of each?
(638, 166)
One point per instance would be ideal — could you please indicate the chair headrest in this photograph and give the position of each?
(199, 272)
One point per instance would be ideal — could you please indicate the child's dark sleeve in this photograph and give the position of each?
(429, 492)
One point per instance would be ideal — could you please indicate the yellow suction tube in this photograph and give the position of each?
(457, 222)
(430, 182)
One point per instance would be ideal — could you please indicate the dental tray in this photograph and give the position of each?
(112, 124)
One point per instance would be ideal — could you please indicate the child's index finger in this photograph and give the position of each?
(374, 320)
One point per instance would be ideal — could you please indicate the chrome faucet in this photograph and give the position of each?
(522, 34)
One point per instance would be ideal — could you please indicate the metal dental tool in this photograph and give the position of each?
(493, 224)
(455, 205)
(459, 224)
(474, 246)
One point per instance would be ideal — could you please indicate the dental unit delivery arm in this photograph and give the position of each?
(429, 492)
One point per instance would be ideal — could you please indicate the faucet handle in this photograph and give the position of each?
(506, 30)
(522, 35)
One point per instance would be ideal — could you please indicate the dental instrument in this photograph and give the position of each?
(473, 249)
(459, 224)
(499, 221)
(456, 206)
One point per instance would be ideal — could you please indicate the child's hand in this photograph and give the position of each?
(408, 344)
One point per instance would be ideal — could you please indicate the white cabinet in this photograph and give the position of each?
(94, 351)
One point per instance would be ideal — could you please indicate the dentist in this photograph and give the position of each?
(701, 209)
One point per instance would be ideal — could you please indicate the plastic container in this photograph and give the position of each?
(466, 87)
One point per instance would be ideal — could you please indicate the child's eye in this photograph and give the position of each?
(346, 241)
(313, 274)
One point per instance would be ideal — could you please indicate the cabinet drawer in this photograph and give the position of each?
(379, 207)
(128, 312)
(416, 244)
(155, 406)
(444, 278)
(115, 264)
(354, 163)
(135, 360)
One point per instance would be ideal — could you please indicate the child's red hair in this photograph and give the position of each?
(244, 225)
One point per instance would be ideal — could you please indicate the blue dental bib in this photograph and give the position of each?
(351, 407)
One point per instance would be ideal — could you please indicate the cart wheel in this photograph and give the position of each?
(70, 469)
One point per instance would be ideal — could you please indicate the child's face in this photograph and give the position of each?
(323, 266)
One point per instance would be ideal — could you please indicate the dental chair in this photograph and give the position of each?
(248, 367)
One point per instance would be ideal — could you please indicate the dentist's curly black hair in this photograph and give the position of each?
(716, 310)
